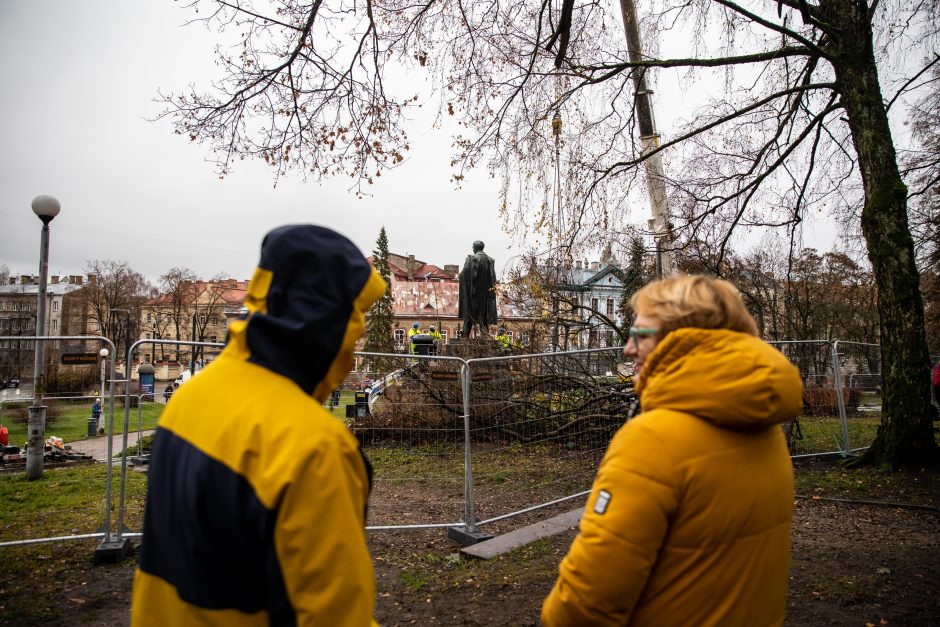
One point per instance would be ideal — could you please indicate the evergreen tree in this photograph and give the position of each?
(635, 276)
(381, 316)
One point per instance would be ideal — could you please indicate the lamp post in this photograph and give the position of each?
(104, 360)
(46, 208)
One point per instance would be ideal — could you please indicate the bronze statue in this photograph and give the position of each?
(477, 304)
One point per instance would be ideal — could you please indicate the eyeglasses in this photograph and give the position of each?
(638, 333)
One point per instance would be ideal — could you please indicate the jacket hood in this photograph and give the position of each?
(731, 379)
(306, 304)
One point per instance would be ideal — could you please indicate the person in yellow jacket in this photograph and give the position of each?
(688, 520)
(413, 331)
(257, 496)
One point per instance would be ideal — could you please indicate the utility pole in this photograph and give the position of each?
(655, 173)
(559, 225)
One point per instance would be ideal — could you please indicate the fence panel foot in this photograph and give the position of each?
(111, 552)
(461, 536)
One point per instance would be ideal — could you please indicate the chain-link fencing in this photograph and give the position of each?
(527, 409)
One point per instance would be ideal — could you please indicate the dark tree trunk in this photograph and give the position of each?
(905, 437)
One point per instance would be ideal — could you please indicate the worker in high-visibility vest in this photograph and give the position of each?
(411, 333)
(503, 339)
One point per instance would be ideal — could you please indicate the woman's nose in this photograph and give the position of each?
(630, 349)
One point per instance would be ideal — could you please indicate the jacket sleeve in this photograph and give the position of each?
(320, 539)
(624, 525)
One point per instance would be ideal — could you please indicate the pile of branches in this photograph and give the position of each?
(524, 401)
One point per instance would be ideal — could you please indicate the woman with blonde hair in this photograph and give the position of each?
(688, 521)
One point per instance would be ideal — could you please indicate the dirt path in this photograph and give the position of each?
(852, 565)
(98, 447)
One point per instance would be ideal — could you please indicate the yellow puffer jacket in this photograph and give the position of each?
(688, 521)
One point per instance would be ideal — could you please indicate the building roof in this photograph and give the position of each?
(52, 289)
(231, 292)
(438, 298)
(420, 270)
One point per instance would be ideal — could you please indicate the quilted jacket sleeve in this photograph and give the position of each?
(624, 525)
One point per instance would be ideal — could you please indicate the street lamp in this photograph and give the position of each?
(104, 360)
(46, 208)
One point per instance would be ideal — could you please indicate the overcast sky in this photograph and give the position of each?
(79, 79)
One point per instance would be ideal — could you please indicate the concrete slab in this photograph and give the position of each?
(514, 539)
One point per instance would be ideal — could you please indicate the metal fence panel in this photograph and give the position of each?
(841, 396)
(479, 440)
(540, 424)
(860, 369)
(412, 430)
(54, 388)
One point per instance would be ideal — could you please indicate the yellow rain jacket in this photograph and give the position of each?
(688, 521)
(257, 496)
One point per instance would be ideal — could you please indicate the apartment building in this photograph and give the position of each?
(66, 315)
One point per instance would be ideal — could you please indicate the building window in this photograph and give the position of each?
(595, 304)
(525, 338)
(610, 338)
(149, 317)
(148, 336)
(399, 336)
(202, 318)
(444, 336)
(55, 306)
(592, 338)
(54, 326)
(213, 338)
(610, 306)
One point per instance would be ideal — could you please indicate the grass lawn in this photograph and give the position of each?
(824, 433)
(70, 421)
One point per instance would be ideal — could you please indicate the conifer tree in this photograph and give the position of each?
(381, 316)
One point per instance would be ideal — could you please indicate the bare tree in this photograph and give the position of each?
(922, 167)
(177, 288)
(115, 294)
(208, 308)
(545, 89)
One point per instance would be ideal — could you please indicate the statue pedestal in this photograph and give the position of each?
(472, 348)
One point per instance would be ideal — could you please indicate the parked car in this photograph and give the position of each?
(14, 382)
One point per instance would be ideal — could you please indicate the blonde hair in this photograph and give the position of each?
(693, 301)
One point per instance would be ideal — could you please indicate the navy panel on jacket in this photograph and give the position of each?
(211, 538)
